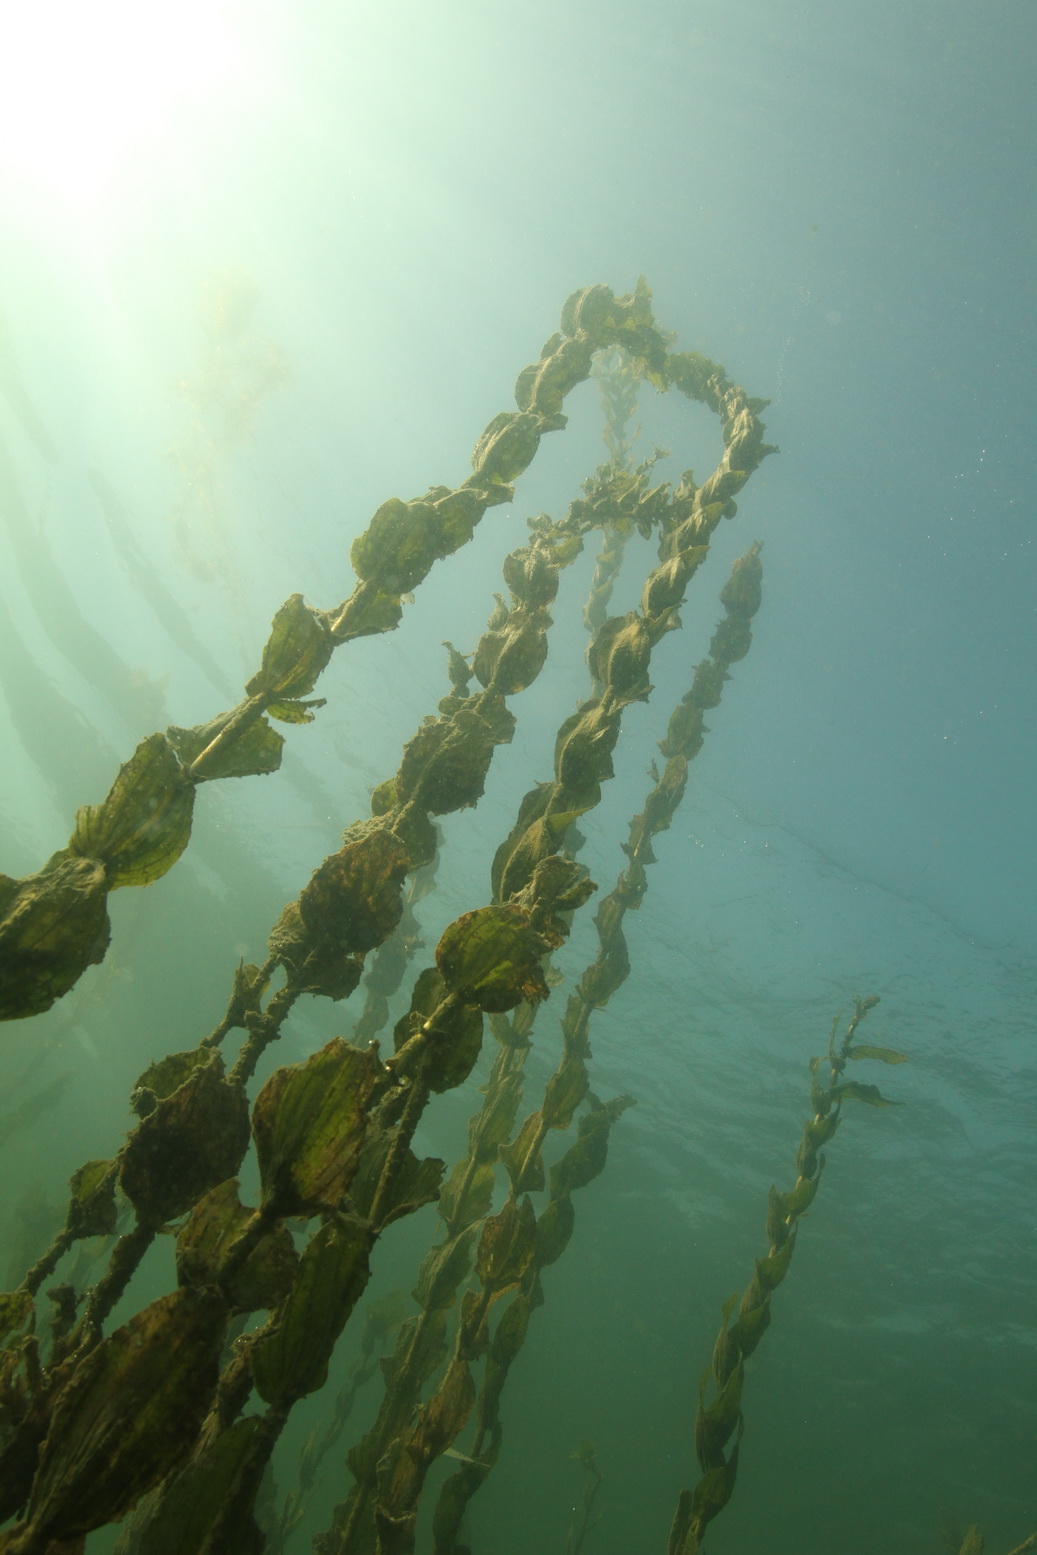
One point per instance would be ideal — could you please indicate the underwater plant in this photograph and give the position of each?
(168, 1421)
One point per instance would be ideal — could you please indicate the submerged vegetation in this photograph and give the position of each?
(167, 1422)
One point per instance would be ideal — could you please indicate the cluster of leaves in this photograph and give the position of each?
(389, 1465)
(54, 923)
(152, 1412)
(719, 1417)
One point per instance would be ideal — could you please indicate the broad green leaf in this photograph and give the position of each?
(506, 447)
(212, 1228)
(585, 1158)
(554, 1229)
(144, 825)
(510, 659)
(92, 1210)
(772, 1269)
(491, 957)
(208, 1499)
(445, 764)
(523, 1159)
(253, 752)
(750, 1327)
(776, 1230)
(297, 650)
(295, 711)
(510, 1333)
(452, 1031)
(468, 1193)
(443, 1271)
(802, 1195)
(416, 1183)
(310, 1124)
(492, 1125)
(854, 1090)
(333, 1271)
(53, 925)
(885, 1055)
(507, 1246)
(443, 1417)
(192, 1139)
(713, 1491)
(166, 1075)
(565, 1090)
(357, 890)
(398, 547)
(127, 1415)
(715, 1422)
(619, 657)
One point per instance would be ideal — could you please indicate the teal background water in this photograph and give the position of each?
(837, 202)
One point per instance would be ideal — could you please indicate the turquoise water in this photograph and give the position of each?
(837, 203)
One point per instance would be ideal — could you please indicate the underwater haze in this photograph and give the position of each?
(264, 268)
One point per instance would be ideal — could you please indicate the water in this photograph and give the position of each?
(837, 205)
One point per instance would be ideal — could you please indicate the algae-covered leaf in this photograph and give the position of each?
(127, 1415)
(445, 764)
(211, 1229)
(443, 1270)
(371, 612)
(493, 1123)
(297, 650)
(421, 1349)
(353, 900)
(885, 1055)
(314, 959)
(452, 1031)
(295, 711)
(802, 1195)
(715, 1422)
(506, 447)
(91, 1209)
(973, 1542)
(398, 547)
(619, 657)
(726, 1353)
(585, 1158)
(203, 1501)
(194, 1138)
(750, 1328)
(468, 1193)
(442, 1419)
(510, 659)
(713, 1491)
(520, 855)
(523, 1159)
(333, 1271)
(166, 1075)
(415, 1183)
(776, 1229)
(507, 1246)
(254, 751)
(310, 1125)
(53, 925)
(565, 1090)
(510, 1334)
(16, 1313)
(554, 1229)
(770, 1271)
(854, 1090)
(491, 957)
(144, 825)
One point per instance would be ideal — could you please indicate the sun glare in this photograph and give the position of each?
(87, 88)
